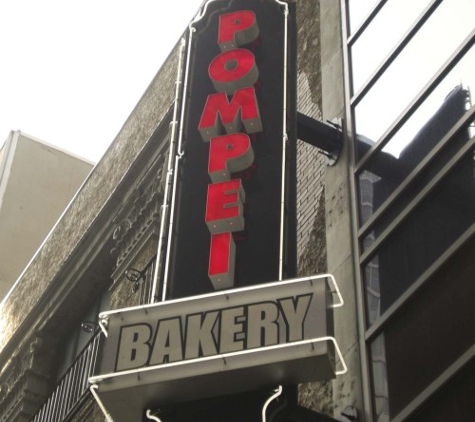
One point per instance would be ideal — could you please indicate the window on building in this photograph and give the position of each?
(411, 72)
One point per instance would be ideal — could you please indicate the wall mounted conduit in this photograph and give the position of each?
(168, 182)
(152, 417)
(276, 393)
(285, 139)
(179, 152)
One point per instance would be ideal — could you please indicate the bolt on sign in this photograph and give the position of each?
(220, 343)
(234, 223)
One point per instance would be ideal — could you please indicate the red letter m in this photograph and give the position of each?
(242, 110)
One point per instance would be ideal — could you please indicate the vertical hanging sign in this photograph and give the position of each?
(233, 225)
(234, 220)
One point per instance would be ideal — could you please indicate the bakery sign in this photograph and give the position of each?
(221, 343)
(233, 317)
(233, 218)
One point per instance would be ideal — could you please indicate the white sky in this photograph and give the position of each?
(71, 72)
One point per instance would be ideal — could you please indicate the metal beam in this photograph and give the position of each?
(326, 137)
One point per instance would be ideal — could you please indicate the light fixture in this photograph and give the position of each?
(135, 276)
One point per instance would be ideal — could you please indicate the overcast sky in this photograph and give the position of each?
(72, 71)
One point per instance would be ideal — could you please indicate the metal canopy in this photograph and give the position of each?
(289, 351)
(158, 387)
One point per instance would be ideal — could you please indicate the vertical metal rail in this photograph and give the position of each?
(146, 286)
(179, 152)
(285, 139)
(349, 131)
(171, 169)
(72, 387)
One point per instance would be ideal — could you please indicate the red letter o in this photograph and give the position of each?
(233, 70)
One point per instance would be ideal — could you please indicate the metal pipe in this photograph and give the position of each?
(179, 154)
(93, 389)
(170, 230)
(284, 142)
(276, 394)
(170, 170)
(152, 417)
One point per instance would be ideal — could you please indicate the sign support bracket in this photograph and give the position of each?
(152, 417)
(276, 393)
(93, 389)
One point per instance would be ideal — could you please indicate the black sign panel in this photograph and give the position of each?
(256, 246)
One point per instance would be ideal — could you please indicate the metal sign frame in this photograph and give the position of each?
(126, 393)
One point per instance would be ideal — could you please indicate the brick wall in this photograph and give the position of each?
(310, 163)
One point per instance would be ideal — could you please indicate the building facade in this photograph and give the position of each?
(37, 181)
(387, 208)
(411, 117)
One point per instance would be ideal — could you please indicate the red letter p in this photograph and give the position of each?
(237, 28)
